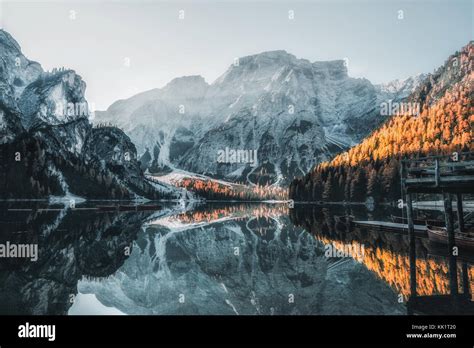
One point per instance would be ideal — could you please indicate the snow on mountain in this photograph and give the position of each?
(400, 88)
(293, 112)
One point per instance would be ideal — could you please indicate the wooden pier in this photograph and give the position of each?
(384, 226)
(447, 176)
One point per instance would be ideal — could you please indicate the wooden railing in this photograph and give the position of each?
(436, 170)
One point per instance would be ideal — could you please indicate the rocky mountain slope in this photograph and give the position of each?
(293, 112)
(371, 169)
(47, 144)
(400, 89)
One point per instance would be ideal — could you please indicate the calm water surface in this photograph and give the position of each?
(210, 259)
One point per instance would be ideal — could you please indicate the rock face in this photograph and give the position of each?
(110, 148)
(16, 71)
(294, 113)
(54, 99)
(47, 144)
(457, 69)
(10, 123)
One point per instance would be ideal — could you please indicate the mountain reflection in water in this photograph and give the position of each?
(208, 259)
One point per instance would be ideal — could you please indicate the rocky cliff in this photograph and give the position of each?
(48, 145)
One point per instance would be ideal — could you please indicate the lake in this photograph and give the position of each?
(212, 258)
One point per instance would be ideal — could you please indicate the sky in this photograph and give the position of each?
(121, 48)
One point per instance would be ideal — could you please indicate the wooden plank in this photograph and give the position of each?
(391, 226)
(460, 212)
(412, 246)
(448, 215)
(457, 164)
(437, 176)
(431, 189)
(465, 279)
(443, 180)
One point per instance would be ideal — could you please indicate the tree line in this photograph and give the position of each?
(371, 168)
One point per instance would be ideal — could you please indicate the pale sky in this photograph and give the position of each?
(99, 38)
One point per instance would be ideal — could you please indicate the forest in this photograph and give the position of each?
(372, 168)
(215, 190)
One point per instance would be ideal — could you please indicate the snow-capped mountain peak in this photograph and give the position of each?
(185, 87)
(402, 87)
(291, 111)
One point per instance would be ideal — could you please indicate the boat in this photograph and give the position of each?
(404, 220)
(439, 235)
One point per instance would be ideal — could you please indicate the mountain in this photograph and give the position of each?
(292, 112)
(400, 89)
(48, 145)
(444, 124)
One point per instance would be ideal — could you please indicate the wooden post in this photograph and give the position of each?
(403, 171)
(465, 280)
(448, 216)
(460, 212)
(437, 174)
(412, 246)
(348, 219)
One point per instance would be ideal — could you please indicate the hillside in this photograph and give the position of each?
(371, 168)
